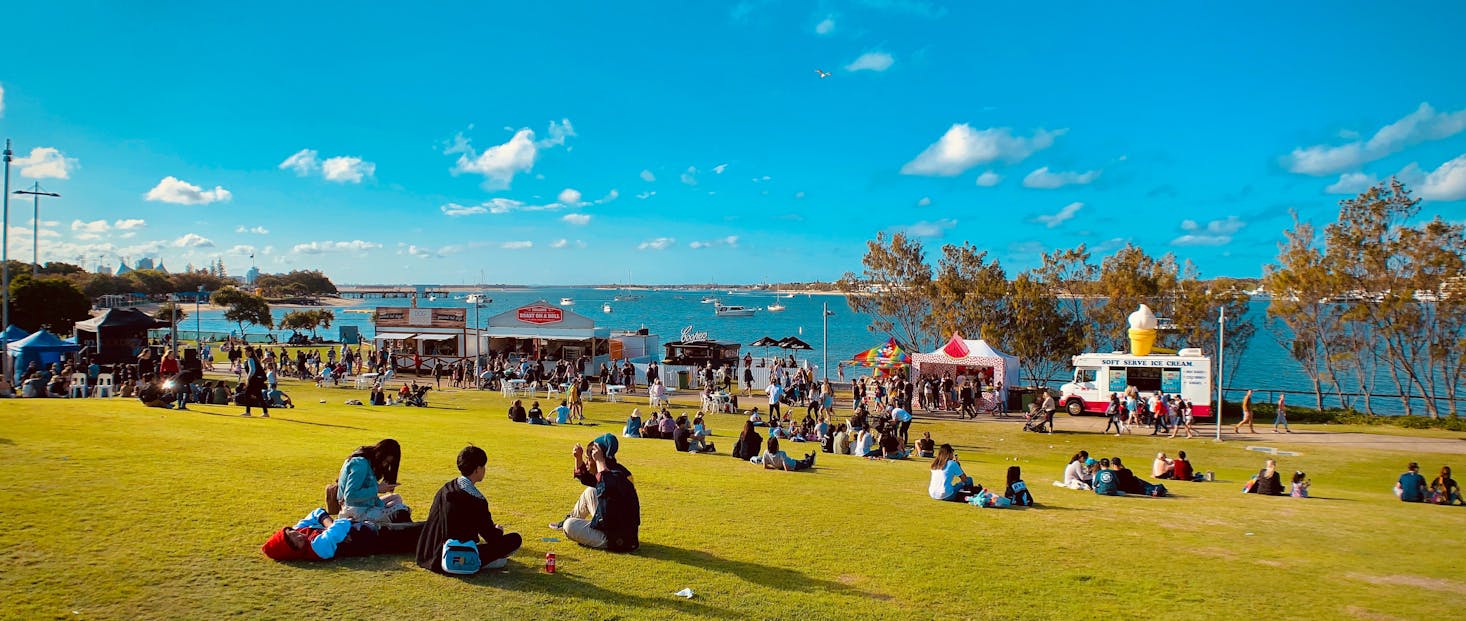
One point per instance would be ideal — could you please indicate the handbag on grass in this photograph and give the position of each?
(461, 557)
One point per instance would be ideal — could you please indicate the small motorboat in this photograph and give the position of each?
(477, 298)
(567, 302)
(733, 311)
(606, 308)
(774, 308)
(709, 300)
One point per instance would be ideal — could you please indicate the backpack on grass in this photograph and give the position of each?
(461, 558)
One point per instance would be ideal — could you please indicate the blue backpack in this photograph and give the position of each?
(461, 557)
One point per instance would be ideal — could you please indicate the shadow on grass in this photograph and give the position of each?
(7, 441)
(762, 574)
(565, 584)
(288, 420)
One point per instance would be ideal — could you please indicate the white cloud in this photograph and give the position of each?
(258, 230)
(303, 162)
(1046, 180)
(962, 148)
(730, 241)
(610, 196)
(95, 226)
(500, 163)
(646, 195)
(925, 201)
(720, 168)
(763, 179)
(46, 163)
(660, 243)
(647, 176)
(826, 26)
(1214, 233)
(241, 250)
(454, 210)
(871, 61)
(929, 229)
(2, 100)
(799, 195)
(988, 179)
(1422, 125)
(130, 224)
(578, 219)
(569, 196)
(1351, 183)
(560, 243)
(418, 251)
(516, 245)
(347, 169)
(355, 245)
(1445, 183)
(690, 177)
(193, 240)
(180, 192)
(1066, 214)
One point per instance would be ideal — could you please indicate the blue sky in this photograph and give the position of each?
(588, 142)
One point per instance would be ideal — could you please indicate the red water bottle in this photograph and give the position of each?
(550, 562)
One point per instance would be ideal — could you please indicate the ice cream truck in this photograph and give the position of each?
(1096, 376)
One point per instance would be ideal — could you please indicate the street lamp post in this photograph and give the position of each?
(35, 193)
(173, 324)
(1220, 406)
(5, 261)
(825, 345)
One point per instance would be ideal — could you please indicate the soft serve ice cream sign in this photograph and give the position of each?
(1142, 331)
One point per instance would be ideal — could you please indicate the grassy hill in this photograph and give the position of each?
(113, 510)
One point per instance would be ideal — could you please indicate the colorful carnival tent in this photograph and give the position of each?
(886, 357)
(967, 357)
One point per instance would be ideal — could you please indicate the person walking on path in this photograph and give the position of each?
(254, 387)
(1246, 414)
(1282, 417)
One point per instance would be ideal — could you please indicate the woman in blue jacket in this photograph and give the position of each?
(370, 472)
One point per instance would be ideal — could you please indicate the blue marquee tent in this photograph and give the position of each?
(42, 348)
(15, 333)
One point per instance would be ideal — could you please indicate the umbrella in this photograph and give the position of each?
(765, 343)
(793, 342)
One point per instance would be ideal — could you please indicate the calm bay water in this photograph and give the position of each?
(1266, 365)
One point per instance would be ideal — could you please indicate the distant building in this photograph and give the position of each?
(143, 264)
(252, 275)
(122, 268)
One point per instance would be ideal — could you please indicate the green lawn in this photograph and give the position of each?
(117, 511)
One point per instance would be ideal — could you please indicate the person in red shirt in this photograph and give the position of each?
(1181, 468)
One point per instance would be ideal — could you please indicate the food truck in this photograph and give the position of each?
(1096, 376)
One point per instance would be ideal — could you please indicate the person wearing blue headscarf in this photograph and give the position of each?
(608, 514)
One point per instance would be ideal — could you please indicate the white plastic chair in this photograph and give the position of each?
(78, 385)
(105, 386)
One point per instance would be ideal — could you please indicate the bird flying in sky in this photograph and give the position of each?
(823, 74)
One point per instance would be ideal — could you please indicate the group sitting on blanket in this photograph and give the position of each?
(459, 536)
(1109, 476)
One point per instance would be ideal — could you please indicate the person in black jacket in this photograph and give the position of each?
(749, 442)
(461, 512)
(517, 413)
(608, 514)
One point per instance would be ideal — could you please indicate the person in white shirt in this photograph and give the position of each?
(949, 482)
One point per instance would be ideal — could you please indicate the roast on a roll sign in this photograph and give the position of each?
(540, 314)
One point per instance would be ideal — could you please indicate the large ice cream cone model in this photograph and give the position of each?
(1142, 331)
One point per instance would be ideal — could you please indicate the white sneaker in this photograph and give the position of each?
(496, 564)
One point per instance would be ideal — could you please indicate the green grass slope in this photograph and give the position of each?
(113, 510)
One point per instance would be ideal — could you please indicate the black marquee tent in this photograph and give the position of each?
(117, 335)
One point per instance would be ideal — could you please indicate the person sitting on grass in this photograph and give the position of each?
(608, 514)
(890, 446)
(562, 413)
(536, 415)
(1300, 484)
(749, 442)
(278, 398)
(926, 446)
(948, 481)
(864, 443)
(775, 459)
(666, 426)
(1444, 490)
(319, 537)
(1161, 468)
(652, 427)
(1267, 482)
(1077, 473)
(378, 397)
(633, 425)
(460, 515)
(517, 413)
(368, 473)
(692, 438)
(1131, 484)
(1106, 481)
(841, 443)
(152, 393)
(1017, 491)
(1181, 469)
(1411, 487)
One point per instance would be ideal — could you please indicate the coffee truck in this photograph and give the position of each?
(1096, 376)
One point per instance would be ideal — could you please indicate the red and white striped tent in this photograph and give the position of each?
(959, 354)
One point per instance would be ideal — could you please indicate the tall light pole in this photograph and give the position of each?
(5, 261)
(198, 332)
(825, 345)
(1221, 358)
(36, 193)
(173, 324)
